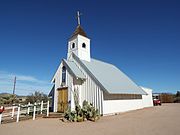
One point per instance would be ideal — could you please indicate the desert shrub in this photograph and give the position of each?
(87, 112)
(36, 97)
(8, 99)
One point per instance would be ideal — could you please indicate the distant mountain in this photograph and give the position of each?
(8, 94)
(5, 94)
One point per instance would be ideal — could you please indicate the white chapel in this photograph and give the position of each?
(81, 77)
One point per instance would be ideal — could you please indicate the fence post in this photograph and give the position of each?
(41, 106)
(12, 115)
(0, 117)
(18, 113)
(28, 110)
(47, 108)
(34, 113)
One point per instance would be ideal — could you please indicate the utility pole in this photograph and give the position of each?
(14, 88)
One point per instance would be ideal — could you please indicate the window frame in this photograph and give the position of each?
(63, 74)
(73, 45)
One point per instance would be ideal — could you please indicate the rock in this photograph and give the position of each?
(85, 119)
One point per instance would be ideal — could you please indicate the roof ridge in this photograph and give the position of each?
(78, 67)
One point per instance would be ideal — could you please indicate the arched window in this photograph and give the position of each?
(63, 74)
(73, 45)
(83, 45)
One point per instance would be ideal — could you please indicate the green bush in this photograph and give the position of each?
(87, 112)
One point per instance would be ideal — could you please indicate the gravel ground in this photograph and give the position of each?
(159, 120)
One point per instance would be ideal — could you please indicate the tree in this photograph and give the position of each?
(37, 97)
(178, 94)
(177, 97)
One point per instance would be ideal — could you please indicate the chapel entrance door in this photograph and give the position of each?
(62, 100)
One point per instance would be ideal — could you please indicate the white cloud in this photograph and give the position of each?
(25, 84)
(10, 76)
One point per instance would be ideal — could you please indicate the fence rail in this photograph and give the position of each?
(17, 112)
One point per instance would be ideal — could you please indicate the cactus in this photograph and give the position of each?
(87, 112)
(79, 118)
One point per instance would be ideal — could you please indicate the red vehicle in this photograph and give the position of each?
(156, 102)
(156, 99)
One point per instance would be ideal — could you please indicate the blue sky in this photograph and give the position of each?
(142, 38)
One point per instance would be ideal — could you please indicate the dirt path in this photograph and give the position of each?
(160, 120)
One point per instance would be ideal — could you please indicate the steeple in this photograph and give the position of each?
(79, 31)
(79, 43)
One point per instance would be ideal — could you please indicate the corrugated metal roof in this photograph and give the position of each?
(74, 69)
(111, 78)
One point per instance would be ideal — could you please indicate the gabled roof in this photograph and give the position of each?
(74, 69)
(79, 31)
(109, 77)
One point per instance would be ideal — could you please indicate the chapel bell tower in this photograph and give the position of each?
(79, 43)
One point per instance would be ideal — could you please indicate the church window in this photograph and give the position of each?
(73, 45)
(83, 45)
(63, 74)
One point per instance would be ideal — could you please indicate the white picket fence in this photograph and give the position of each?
(17, 111)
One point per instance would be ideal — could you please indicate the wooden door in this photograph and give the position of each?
(62, 100)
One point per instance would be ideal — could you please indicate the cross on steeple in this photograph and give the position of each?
(78, 17)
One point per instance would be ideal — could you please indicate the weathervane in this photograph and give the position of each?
(78, 17)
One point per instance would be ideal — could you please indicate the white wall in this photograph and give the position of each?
(117, 106)
(82, 53)
(147, 99)
(57, 78)
(91, 93)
